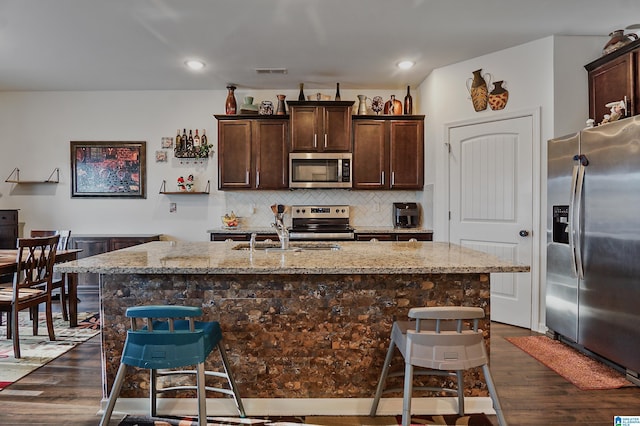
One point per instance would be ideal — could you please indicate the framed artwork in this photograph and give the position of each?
(166, 143)
(161, 156)
(108, 169)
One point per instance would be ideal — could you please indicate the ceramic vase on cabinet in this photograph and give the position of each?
(230, 104)
(618, 40)
(498, 97)
(282, 109)
(266, 108)
(393, 106)
(477, 87)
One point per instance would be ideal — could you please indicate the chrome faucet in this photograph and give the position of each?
(252, 242)
(279, 211)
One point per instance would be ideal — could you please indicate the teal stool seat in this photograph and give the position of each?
(172, 339)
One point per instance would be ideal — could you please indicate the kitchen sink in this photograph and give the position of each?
(276, 247)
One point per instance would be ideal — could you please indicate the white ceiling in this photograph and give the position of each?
(142, 44)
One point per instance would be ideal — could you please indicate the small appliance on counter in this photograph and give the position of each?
(406, 215)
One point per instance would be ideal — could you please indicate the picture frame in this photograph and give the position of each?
(108, 169)
(166, 143)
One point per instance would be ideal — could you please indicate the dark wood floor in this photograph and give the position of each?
(67, 390)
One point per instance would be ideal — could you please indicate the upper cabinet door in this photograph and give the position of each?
(271, 149)
(337, 129)
(304, 128)
(370, 154)
(234, 154)
(407, 155)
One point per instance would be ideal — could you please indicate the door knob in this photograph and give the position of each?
(524, 233)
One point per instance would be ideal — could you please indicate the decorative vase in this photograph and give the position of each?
(377, 104)
(618, 39)
(301, 94)
(408, 103)
(477, 87)
(498, 97)
(230, 104)
(362, 105)
(393, 106)
(338, 91)
(266, 108)
(248, 107)
(282, 108)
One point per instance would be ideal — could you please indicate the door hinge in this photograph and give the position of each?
(449, 215)
(448, 145)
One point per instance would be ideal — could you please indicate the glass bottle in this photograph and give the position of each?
(230, 105)
(408, 103)
(190, 141)
(203, 139)
(337, 91)
(196, 140)
(178, 141)
(301, 94)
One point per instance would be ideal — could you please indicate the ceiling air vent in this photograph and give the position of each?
(271, 70)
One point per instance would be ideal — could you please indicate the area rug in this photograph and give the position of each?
(453, 420)
(584, 372)
(36, 351)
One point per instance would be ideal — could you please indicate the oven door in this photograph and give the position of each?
(324, 235)
(319, 170)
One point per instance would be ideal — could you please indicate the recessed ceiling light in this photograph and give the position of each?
(194, 64)
(405, 65)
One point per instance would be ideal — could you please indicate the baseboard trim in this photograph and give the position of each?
(303, 406)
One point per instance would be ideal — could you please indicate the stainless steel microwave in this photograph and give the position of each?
(319, 170)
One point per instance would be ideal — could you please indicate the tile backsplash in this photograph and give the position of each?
(368, 208)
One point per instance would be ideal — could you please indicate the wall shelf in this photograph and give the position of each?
(163, 190)
(14, 177)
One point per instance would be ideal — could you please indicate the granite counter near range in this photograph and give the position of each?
(307, 324)
(362, 233)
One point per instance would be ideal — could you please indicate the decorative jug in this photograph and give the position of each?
(477, 87)
(282, 109)
(362, 105)
(618, 39)
(498, 97)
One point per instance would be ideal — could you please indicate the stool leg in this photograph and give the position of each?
(153, 392)
(202, 395)
(383, 379)
(460, 392)
(232, 383)
(115, 391)
(494, 395)
(406, 397)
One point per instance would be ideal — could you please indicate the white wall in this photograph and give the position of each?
(545, 75)
(37, 127)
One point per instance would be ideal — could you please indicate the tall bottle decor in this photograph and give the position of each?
(230, 105)
(338, 91)
(408, 103)
(498, 97)
(282, 109)
(301, 94)
(477, 87)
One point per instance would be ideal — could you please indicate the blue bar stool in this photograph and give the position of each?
(166, 342)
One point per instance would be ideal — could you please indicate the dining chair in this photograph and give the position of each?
(59, 280)
(31, 286)
(172, 339)
(439, 342)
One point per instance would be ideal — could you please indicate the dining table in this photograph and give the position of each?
(8, 263)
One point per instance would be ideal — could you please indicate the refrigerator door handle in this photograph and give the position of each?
(578, 219)
(572, 227)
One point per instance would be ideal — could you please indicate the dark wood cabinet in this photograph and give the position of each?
(253, 152)
(388, 153)
(394, 236)
(320, 126)
(93, 244)
(614, 77)
(8, 229)
(235, 236)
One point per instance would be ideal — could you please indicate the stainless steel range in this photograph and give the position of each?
(320, 223)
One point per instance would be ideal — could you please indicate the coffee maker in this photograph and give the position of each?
(406, 215)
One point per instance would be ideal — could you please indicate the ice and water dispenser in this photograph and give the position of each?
(561, 224)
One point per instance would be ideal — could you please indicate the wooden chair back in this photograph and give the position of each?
(35, 260)
(63, 243)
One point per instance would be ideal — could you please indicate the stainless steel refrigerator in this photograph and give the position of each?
(593, 242)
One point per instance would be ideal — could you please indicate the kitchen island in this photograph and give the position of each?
(309, 325)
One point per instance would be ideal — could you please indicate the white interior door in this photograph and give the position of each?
(491, 207)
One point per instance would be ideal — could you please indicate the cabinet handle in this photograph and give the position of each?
(315, 140)
(382, 178)
(393, 178)
(246, 177)
(257, 178)
(325, 140)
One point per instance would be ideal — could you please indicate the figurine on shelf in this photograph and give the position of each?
(181, 184)
(618, 110)
(189, 183)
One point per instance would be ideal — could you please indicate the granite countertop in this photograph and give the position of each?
(171, 257)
